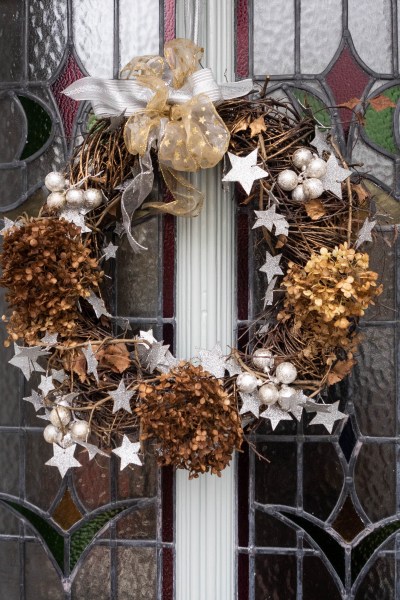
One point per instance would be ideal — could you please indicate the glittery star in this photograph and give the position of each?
(275, 415)
(122, 322)
(58, 375)
(245, 170)
(147, 336)
(119, 229)
(46, 385)
(26, 359)
(91, 361)
(269, 219)
(77, 217)
(213, 361)
(50, 339)
(319, 142)
(156, 356)
(128, 453)
(334, 176)
(36, 400)
(63, 459)
(168, 362)
(297, 403)
(8, 224)
(110, 251)
(251, 403)
(269, 295)
(45, 416)
(328, 419)
(232, 366)
(92, 449)
(364, 235)
(271, 266)
(121, 397)
(97, 305)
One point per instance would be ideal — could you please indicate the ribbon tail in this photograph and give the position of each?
(188, 200)
(236, 89)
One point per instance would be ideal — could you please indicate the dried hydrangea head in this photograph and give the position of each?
(192, 419)
(46, 269)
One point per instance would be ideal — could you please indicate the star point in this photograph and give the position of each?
(121, 397)
(319, 142)
(213, 361)
(46, 385)
(270, 218)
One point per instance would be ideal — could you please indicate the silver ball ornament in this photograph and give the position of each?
(56, 200)
(287, 180)
(268, 394)
(313, 188)
(298, 194)
(246, 382)
(79, 430)
(60, 416)
(52, 434)
(316, 168)
(285, 393)
(55, 182)
(286, 372)
(301, 157)
(93, 198)
(263, 358)
(74, 198)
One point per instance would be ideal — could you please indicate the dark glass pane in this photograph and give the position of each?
(348, 523)
(9, 570)
(282, 467)
(169, 266)
(92, 480)
(379, 581)
(375, 480)
(321, 492)
(382, 261)
(242, 266)
(271, 532)
(318, 583)
(9, 524)
(167, 491)
(137, 573)
(168, 574)
(92, 581)
(138, 482)
(139, 524)
(9, 462)
(41, 578)
(275, 577)
(39, 126)
(41, 482)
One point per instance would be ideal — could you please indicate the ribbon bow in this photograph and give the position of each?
(169, 102)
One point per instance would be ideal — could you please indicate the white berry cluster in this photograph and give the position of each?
(307, 184)
(62, 430)
(73, 198)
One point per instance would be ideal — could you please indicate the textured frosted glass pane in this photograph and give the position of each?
(12, 185)
(11, 40)
(275, 577)
(41, 579)
(139, 28)
(375, 480)
(138, 482)
(51, 160)
(9, 570)
(321, 30)
(93, 24)
(137, 574)
(321, 493)
(273, 37)
(317, 582)
(92, 481)
(270, 531)
(373, 382)
(11, 129)
(9, 464)
(379, 582)
(372, 16)
(138, 524)
(382, 261)
(9, 379)
(373, 163)
(42, 482)
(92, 581)
(47, 37)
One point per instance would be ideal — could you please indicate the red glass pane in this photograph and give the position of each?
(167, 497)
(169, 20)
(242, 267)
(243, 577)
(242, 38)
(67, 107)
(168, 574)
(243, 499)
(168, 266)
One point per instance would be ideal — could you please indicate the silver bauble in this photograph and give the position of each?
(263, 359)
(268, 394)
(286, 372)
(287, 180)
(301, 157)
(285, 393)
(298, 194)
(56, 200)
(55, 182)
(52, 434)
(313, 188)
(74, 198)
(246, 382)
(60, 416)
(93, 198)
(316, 168)
(79, 430)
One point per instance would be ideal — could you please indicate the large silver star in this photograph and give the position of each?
(128, 453)
(245, 170)
(91, 362)
(269, 295)
(77, 217)
(156, 356)
(110, 251)
(275, 415)
(63, 459)
(121, 397)
(319, 142)
(269, 219)
(251, 403)
(328, 419)
(364, 235)
(46, 385)
(26, 359)
(98, 305)
(271, 266)
(58, 375)
(213, 361)
(50, 339)
(36, 400)
(335, 174)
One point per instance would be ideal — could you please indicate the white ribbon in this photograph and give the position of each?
(111, 97)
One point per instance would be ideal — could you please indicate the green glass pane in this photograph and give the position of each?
(39, 126)
(369, 544)
(379, 123)
(317, 107)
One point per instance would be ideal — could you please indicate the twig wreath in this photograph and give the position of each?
(128, 394)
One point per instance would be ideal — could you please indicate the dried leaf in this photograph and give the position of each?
(351, 104)
(381, 102)
(341, 369)
(114, 357)
(282, 239)
(362, 193)
(78, 366)
(257, 126)
(315, 209)
(241, 125)
(360, 118)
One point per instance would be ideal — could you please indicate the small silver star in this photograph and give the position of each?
(36, 400)
(364, 235)
(110, 251)
(77, 217)
(50, 339)
(67, 398)
(92, 449)
(147, 336)
(271, 266)
(269, 295)
(128, 453)
(45, 416)
(245, 170)
(251, 403)
(26, 359)
(119, 229)
(275, 415)
(8, 224)
(334, 176)
(213, 361)
(122, 322)
(63, 459)
(153, 357)
(98, 305)
(319, 142)
(91, 361)
(168, 362)
(297, 403)
(328, 419)
(58, 375)
(269, 219)
(121, 397)
(46, 385)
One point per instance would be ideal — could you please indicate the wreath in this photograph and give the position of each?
(111, 391)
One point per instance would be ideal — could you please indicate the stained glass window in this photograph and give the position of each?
(321, 519)
(100, 533)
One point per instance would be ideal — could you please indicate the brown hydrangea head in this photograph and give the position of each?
(192, 419)
(46, 268)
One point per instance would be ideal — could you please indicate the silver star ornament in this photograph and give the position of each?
(269, 295)
(334, 176)
(319, 142)
(110, 251)
(8, 224)
(251, 403)
(128, 453)
(36, 400)
(63, 459)
(50, 339)
(328, 419)
(269, 219)
(245, 170)
(77, 217)
(121, 397)
(271, 266)
(46, 385)
(364, 235)
(26, 359)
(213, 361)
(275, 415)
(98, 305)
(91, 361)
